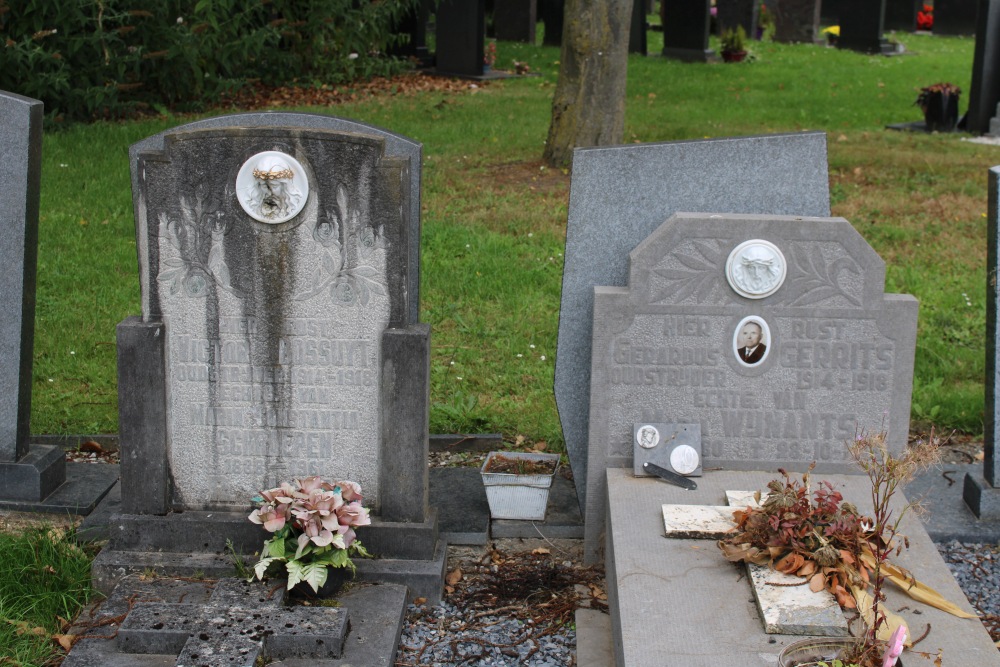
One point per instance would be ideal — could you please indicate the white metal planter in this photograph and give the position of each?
(513, 496)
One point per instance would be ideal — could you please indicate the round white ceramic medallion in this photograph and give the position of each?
(755, 269)
(272, 187)
(684, 459)
(647, 436)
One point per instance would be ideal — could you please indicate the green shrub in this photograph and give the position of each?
(90, 59)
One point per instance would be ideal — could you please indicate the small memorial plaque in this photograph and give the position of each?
(676, 447)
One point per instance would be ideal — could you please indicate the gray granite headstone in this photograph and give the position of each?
(733, 13)
(862, 23)
(955, 17)
(796, 21)
(619, 195)
(515, 20)
(982, 493)
(900, 15)
(26, 473)
(685, 30)
(984, 93)
(829, 353)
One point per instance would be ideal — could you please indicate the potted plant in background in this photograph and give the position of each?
(939, 102)
(814, 534)
(313, 523)
(517, 484)
(734, 44)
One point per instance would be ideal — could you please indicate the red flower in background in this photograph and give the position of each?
(925, 18)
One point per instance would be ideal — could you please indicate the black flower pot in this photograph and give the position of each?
(941, 112)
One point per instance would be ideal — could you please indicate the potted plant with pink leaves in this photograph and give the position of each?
(313, 524)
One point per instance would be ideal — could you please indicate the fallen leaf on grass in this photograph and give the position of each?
(66, 641)
(23, 628)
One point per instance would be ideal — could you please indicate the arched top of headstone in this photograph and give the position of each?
(770, 261)
(396, 146)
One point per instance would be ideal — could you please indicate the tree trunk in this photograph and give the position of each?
(588, 108)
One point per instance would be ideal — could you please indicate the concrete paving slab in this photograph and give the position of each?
(681, 598)
(948, 517)
(788, 607)
(698, 522)
(593, 639)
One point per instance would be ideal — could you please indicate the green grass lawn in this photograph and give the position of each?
(494, 222)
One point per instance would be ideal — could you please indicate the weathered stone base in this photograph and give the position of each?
(163, 621)
(34, 476)
(689, 55)
(81, 487)
(982, 498)
(204, 543)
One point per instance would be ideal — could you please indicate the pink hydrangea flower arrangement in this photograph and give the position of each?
(313, 522)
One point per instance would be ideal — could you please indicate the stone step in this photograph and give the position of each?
(221, 532)
(423, 578)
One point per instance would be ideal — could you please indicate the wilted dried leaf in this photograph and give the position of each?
(454, 577)
(807, 569)
(419, 601)
(817, 582)
(892, 621)
(790, 563)
(916, 590)
(91, 446)
(66, 641)
(541, 551)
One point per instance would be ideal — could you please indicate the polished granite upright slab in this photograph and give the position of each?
(679, 602)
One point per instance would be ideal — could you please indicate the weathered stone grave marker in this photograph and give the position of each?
(278, 270)
(797, 21)
(32, 477)
(637, 188)
(733, 13)
(671, 347)
(955, 17)
(515, 20)
(984, 94)
(278, 340)
(982, 494)
(27, 473)
(900, 15)
(460, 31)
(862, 24)
(685, 29)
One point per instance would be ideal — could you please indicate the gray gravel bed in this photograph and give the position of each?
(445, 635)
(976, 567)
